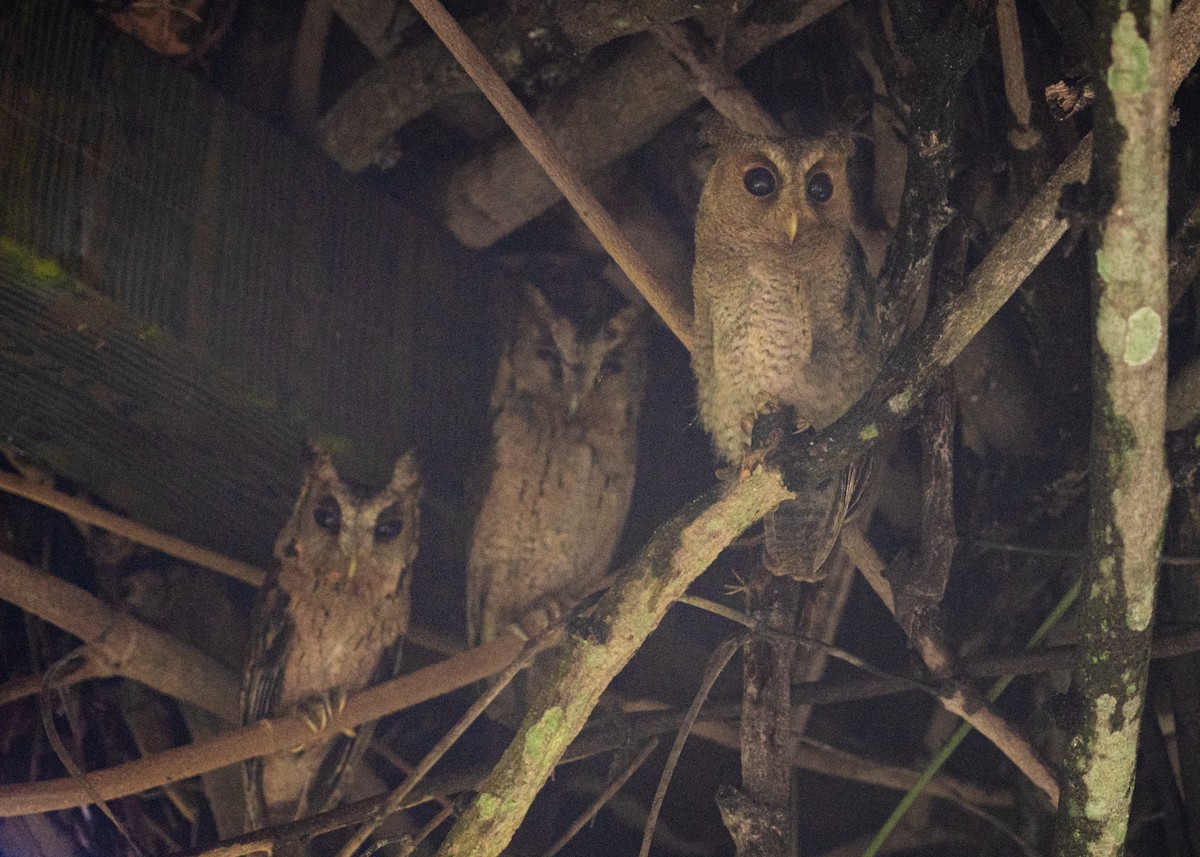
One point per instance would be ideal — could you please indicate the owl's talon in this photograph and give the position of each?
(318, 711)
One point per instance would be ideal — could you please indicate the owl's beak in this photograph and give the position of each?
(572, 404)
(352, 567)
(792, 225)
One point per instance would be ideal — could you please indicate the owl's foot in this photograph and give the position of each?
(753, 459)
(540, 615)
(318, 710)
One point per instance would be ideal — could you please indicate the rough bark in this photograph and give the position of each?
(1128, 477)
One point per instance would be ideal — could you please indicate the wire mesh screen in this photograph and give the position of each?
(209, 226)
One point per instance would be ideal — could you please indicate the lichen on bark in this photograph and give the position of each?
(1128, 478)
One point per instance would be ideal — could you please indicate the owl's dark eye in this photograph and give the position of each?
(328, 515)
(553, 361)
(612, 365)
(760, 181)
(389, 525)
(820, 187)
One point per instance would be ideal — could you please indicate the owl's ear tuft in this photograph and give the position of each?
(626, 322)
(537, 303)
(319, 464)
(406, 475)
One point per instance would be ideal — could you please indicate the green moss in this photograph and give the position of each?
(20, 255)
(1129, 73)
(869, 432)
(541, 734)
(901, 403)
(337, 445)
(151, 332)
(487, 805)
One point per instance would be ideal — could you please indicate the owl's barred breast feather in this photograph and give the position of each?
(563, 457)
(785, 315)
(330, 619)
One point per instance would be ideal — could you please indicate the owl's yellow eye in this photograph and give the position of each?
(820, 187)
(760, 181)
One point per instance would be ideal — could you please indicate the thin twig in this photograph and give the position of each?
(719, 86)
(408, 844)
(604, 797)
(965, 728)
(396, 799)
(716, 665)
(960, 699)
(81, 510)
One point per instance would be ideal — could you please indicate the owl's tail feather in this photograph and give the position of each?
(801, 533)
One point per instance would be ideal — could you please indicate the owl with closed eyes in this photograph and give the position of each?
(560, 474)
(785, 315)
(330, 619)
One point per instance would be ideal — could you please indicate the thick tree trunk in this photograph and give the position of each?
(1128, 478)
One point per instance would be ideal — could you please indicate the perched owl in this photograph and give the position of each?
(785, 314)
(563, 451)
(330, 619)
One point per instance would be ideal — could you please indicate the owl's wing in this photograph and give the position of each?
(261, 684)
(799, 534)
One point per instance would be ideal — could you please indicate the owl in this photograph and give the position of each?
(329, 620)
(785, 315)
(563, 452)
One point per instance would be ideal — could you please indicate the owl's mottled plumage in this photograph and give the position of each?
(785, 314)
(331, 616)
(564, 447)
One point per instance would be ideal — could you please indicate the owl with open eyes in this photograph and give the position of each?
(560, 473)
(329, 620)
(785, 315)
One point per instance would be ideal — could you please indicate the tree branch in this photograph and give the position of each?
(263, 737)
(1128, 477)
(81, 510)
(129, 647)
(597, 649)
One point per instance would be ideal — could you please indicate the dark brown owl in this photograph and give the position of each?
(564, 449)
(330, 618)
(785, 314)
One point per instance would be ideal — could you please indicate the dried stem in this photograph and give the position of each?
(716, 665)
(960, 699)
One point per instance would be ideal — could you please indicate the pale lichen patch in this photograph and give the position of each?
(900, 403)
(1114, 757)
(1142, 336)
